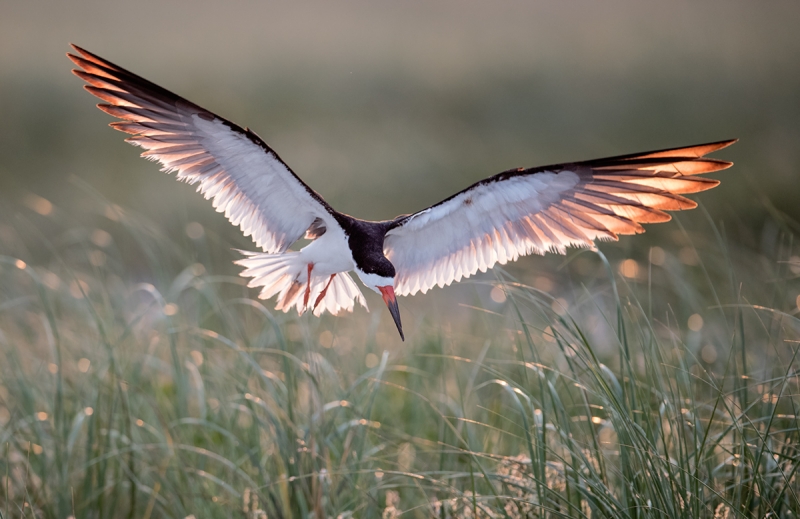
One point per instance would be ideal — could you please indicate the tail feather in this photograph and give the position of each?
(287, 276)
(341, 295)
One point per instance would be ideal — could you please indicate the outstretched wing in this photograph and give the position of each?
(521, 211)
(246, 179)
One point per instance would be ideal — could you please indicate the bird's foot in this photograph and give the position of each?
(321, 295)
(308, 286)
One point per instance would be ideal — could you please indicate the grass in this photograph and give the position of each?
(141, 379)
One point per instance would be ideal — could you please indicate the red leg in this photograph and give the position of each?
(321, 295)
(308, 286)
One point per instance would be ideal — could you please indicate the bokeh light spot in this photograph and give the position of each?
(84, 364)
(326, 339)
(38, 204)
(195, 231)
(560, 306)
(657, 256)
(498, 295)
(543, 283)
(371, 360)
(101, 238)
(197, 357)
(688, 256)
(695, 322)
(629, 268)
(708, 354)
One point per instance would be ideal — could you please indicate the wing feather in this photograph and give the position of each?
(243, 176)
(526, 211)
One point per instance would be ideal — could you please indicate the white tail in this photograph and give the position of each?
(287, 275)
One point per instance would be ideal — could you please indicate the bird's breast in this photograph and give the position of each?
(329, 253)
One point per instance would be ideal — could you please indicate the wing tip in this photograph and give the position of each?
(709, 147)
(724, 164)
(83, 52)
(708, 183)
(727, 142)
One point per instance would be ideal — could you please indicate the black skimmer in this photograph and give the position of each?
(511, 214)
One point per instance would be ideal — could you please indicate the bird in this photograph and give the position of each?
(514, 213)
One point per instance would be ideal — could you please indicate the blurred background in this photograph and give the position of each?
(118, 285)
(386, 107)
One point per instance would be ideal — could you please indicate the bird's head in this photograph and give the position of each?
(380, 278)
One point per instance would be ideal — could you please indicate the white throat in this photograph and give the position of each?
(373, 280)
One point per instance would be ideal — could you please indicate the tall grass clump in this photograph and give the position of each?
(141, 378)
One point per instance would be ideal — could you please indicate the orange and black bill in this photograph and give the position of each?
(391, 303)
